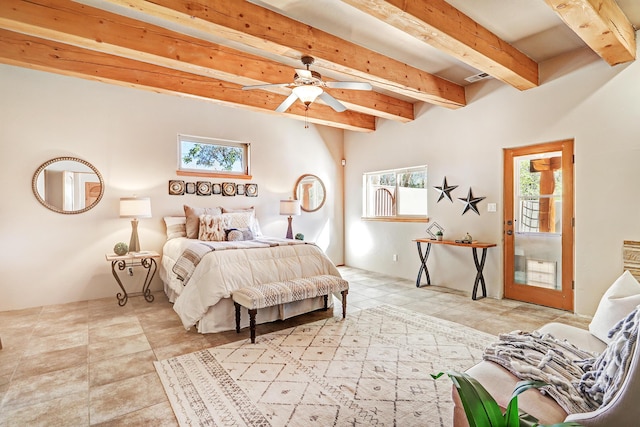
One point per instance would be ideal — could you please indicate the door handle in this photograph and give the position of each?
(509, 222)
(509, 232)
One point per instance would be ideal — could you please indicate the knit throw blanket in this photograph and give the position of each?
(578, 381)
(190, 258)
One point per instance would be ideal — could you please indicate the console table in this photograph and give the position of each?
(474, 247)
(144, 259)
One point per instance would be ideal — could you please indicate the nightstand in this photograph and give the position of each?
(145, 259)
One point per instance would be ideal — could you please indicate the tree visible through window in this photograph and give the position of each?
(197, 154)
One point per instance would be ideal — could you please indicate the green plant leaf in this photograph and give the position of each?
(479, 406)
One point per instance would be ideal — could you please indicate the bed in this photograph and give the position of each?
(200, 275)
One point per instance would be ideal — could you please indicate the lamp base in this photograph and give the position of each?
(134, 243)
(289, 230)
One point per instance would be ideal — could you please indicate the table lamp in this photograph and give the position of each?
(289, 207)
(135, 207)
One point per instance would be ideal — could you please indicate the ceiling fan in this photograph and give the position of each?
(307, 86)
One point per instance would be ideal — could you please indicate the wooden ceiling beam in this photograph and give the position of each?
(257, 27)
(46, 55)
(444, 27)
(602, 25)
(83, 26)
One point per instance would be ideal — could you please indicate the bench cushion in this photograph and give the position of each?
(275, 293)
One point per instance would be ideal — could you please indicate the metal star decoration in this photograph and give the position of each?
(470, 202)
(445, 190)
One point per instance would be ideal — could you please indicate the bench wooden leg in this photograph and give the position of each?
(237, 317)
(344, 303)
(252, 324)
(326, 302)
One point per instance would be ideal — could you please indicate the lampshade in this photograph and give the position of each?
(289, 207)
(307, 93)
(135, 207)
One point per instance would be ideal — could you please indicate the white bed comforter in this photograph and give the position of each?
(219, 273)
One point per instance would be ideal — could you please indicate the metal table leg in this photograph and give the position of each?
(122, 297)
(151, 266)
(479, 275)
(423, 264)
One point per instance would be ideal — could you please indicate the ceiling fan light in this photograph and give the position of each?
(308, 93)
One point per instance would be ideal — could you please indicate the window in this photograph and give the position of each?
(398, 194)
(212, 157)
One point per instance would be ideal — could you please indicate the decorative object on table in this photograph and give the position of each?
(216, 189)
(203, 188)
(445, 190)
(228, 189)
(299, 236)
(437, 227)
(481, 408)
(470, 202)
(467, 238)
(176, 187)
(439, 235)
(190, 188)
(290, 207)
(135, 207)
(251, 190)
(121, 248)
(240, 189)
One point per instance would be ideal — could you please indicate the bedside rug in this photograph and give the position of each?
(372, 368)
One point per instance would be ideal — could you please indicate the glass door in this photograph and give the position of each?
(538, 225)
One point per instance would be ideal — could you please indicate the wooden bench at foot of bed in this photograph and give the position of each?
(276, 293)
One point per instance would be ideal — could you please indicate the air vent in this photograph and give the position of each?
(479, 76)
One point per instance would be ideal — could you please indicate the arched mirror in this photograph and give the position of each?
(310, 191)
(68, 185)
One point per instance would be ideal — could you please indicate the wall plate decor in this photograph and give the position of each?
(176, 187)
(251, 190)
(240, 189)
(445, 190)
(470, 202)
(190, 188)
(203, 188)
(432, 233)
(217, 189)
(228, 189)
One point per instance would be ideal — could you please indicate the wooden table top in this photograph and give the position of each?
(473, 244)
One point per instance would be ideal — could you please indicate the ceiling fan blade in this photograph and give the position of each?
(305, 74)
(265, 86)
(332, 102)
(287, 103)
(349, 85)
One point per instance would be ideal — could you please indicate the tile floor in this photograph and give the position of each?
(90, 362)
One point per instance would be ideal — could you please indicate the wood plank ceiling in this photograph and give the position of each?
(75, 39)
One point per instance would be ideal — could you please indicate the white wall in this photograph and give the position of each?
(129, 135)
(581, 97)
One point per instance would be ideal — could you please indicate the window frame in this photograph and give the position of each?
(395, 217)
(195, 171)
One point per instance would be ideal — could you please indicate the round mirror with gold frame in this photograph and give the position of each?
(68, 185)
(311, 193)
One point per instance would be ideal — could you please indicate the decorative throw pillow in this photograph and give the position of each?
(619, 300)
(193, 218)
(255, 226)
(176, 226)
(605, 374)
(236, 235)
(240, 219)
(212, 228)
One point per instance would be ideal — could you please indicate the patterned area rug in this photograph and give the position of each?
(371, 369)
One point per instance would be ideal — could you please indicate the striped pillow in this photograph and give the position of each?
(176, 226)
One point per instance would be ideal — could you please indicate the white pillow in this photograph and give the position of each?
(620, 299)
(176, 226)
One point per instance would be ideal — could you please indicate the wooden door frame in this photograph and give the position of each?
(565, 298)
